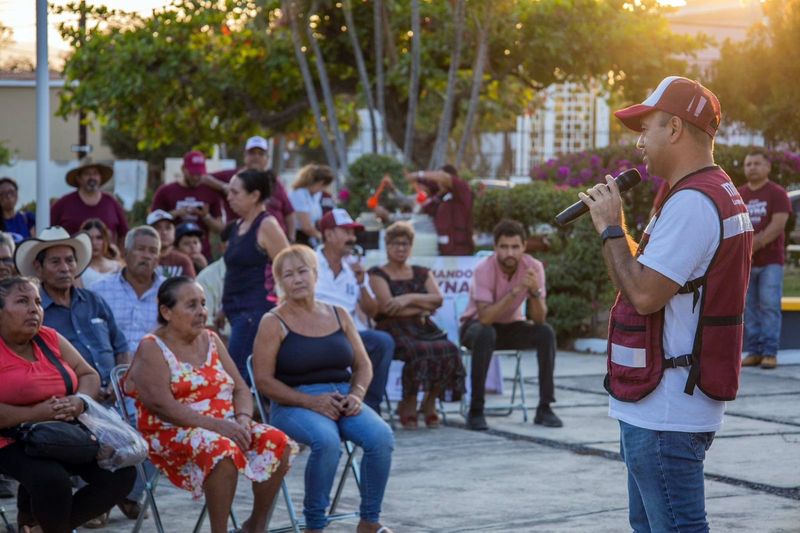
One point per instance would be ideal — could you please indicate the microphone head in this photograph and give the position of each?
(628, 179)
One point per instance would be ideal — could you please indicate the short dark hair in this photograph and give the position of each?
(759, 151)
(8, 284)
(10, 181)
(257, 180)
(509, 228)
(168, 294)
(450, 169)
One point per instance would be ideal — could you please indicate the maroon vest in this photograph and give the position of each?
(635, 341)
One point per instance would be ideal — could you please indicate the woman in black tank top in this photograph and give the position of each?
(308, 359)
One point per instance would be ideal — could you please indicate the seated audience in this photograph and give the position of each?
(342, 281)
(89, 201)
(255, 239)
(7, 248)
(196, 411)
(494, 319)
(189, 241)
(303, 357)
(105, 255)
(131, 292)
(20, 224)
(407, 296)
(35, 390)
(306, 198)
(212, 279)
(171, 262)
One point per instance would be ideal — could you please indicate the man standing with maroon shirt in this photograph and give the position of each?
(256, 157)
(769, 208)
(189, 200)
(450, 206)
(89, 201)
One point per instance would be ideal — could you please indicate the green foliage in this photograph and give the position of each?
(577, 283)
(364, 176)
(5, 154)
(756, 79)
(200, 72)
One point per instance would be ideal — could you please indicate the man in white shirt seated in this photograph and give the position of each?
(344, 282)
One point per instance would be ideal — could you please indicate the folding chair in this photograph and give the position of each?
(517, 380)
(117, 373)
(350, 465)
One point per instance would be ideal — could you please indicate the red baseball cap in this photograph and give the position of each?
(681, 97)
(338, 218)
(195, 163)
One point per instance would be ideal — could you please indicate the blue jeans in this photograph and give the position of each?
(380, 348)
(762, 312)
(244, 327)
(665, 479)
(324, 436)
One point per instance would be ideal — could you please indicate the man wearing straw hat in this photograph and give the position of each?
(89, 201)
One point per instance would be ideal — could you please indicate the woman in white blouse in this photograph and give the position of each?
(306, 198)
(105, 257)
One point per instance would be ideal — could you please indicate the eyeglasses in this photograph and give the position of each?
(8, 194)
(7, 260)
(400, 244)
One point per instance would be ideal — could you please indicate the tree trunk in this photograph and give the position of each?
(362, 71)
(446, 120)
(308, 81)
(327, 95)
(474, 96)
(413, 85)
(377, 20)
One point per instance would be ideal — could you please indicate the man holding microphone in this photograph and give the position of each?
(675, 331)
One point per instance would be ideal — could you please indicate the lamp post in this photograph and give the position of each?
(42, 118)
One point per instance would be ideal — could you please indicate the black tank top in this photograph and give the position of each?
(304, 360)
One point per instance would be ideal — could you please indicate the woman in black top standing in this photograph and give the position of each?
(256, 239)
(302, 355)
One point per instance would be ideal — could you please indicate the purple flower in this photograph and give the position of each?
(563, 172)
(595, 161)
(344, 195)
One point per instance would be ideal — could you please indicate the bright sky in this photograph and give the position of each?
(20, 16)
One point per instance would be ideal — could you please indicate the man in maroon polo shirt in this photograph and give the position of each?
(190, 200)
(769, 207)
(90, 202)
(256, 157)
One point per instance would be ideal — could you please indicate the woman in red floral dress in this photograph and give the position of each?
(195, 411)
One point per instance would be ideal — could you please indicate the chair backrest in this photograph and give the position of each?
(262, 409)
(117, 374)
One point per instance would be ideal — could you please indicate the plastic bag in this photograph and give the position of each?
(120, 444)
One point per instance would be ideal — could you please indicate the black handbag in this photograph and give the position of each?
(68, 442)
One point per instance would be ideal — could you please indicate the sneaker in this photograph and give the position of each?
(546, 417)
(769, 362)
(477, 422)
(752, 360)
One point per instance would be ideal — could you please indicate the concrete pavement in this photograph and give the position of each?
(521, 477)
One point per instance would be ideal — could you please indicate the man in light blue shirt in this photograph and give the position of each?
(132, 292)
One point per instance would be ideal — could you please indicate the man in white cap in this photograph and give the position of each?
(89, 201)
(675, 331)
(256, 157)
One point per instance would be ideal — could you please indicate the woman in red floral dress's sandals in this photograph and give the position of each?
(195, 411)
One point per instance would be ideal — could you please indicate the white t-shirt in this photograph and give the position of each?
(682, 243)
(342, 290)
(305, 202)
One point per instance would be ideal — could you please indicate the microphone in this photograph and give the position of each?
(625, 181)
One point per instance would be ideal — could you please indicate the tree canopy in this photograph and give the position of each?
(200, 72)
(756, 79)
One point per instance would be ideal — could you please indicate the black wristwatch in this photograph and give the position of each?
(612, 232)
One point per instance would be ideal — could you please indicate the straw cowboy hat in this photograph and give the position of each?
(87, 162)
(28, 249)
